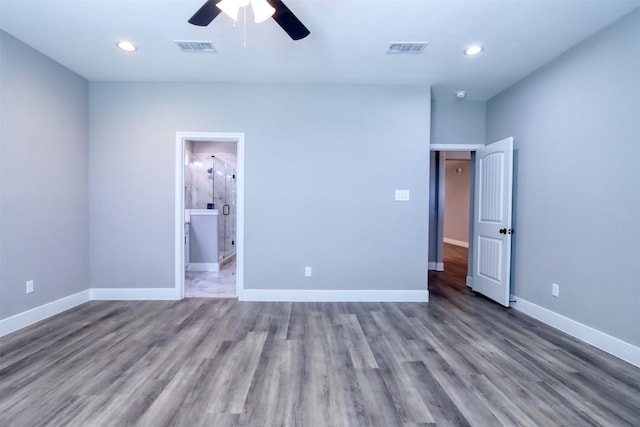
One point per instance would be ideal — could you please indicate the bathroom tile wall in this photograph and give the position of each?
(200, 178)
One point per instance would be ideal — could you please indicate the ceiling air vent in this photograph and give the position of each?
(407, 47)
(195, 46)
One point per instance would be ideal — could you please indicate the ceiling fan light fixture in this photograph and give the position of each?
(276, 9)
(229, 7)
(262, 10)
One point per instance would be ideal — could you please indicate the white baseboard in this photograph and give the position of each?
(29, 317)
(288, 295)
(438, 266)
(110, 294)
(456, 242)
(470, 281)
(612, 345)
(203, 266)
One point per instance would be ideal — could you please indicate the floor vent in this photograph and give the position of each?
(407, 47)
(195, 46)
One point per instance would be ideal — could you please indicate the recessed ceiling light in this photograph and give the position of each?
(126, 46)
(473, 50)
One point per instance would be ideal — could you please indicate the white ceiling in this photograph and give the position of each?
(347, 44)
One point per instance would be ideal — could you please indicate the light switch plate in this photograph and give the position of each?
(402, 195)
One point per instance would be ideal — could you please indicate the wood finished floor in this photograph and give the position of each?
(455, 361)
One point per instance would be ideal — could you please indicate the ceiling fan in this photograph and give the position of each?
(282, 15)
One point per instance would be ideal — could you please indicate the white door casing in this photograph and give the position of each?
(181, 138)
(492, 220)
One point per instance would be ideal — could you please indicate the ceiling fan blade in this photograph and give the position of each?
(205, 14)
(288, 21)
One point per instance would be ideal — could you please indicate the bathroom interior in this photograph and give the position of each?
(210, 219)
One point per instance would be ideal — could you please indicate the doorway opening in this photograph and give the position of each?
(209, 214)
(451, 217)
(210, 219)
(457, 215)
(490, 217)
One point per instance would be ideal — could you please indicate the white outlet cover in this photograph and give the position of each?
(555, 289)
(402, 195)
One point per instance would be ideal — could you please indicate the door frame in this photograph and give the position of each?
(462, 147)
(181, 138)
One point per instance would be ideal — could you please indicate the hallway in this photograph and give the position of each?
(454, 275)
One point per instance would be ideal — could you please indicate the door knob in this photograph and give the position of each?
(506, 231)
(503, 231)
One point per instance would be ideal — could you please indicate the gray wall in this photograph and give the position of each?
(576, 124)
(43, 178)
(457, 122)
(330, 156)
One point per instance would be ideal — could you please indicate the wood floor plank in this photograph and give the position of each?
(379, 407)
(444, 410)
(314, 376)
(357, 344)
(405, 397)
(272, 393)
(499, 403)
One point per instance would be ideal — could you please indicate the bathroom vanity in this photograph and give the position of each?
(202, 251)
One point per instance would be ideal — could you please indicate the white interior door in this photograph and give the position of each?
(492, 220)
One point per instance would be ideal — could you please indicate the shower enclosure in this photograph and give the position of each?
(225, 201)
(211, 179)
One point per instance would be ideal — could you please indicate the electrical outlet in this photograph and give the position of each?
(307, 272)
(555, 289)
(29, 286)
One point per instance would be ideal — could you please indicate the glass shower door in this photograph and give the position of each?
(228, 218)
